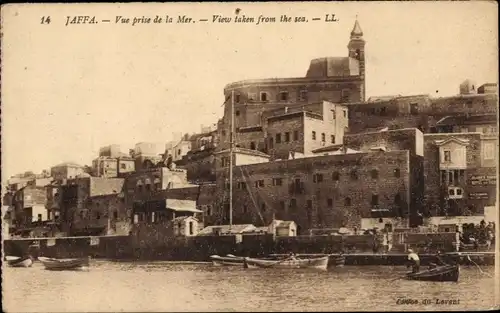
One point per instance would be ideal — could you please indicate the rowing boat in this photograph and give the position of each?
(15, 261)
(440, 273)
(229, 260)
(64, 264)
(316, 263)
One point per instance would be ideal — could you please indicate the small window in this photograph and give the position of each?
(295, 135)
(209, 209)
(374, 174)
(39, 217)
(115, 215)
(277, 181)
(354, 175)
(317, 178)
(459, 191)
(245, 209)
(123, 166)
(293, 203)
(271, 142)
(278, 138)
(335, 176)
(148, 187)
(451, 192)
(282, 205)
(237, 100)
(447, 156)
(237, 113)
(397, 172)
(323, 137)
(332, 139)
(345, 95)
(333, 114)
(313, 135)
(347, 201)
(309, 204)
(287, 137)
(329, 202)
(284, 95)
(252, 145)
(413, 108)
(97, 215)
(383, 111)
(345, 113)
(374, 199)
(303, 95)
(263, 207)
(397, 199)
(263, 96)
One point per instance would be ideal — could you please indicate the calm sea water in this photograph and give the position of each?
(161, 286)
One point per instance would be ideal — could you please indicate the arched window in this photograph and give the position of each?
(347, 201)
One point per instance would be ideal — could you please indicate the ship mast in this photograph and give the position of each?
(231, 143)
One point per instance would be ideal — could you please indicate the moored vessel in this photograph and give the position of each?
(438, 274)
(64, 264)
(292, 263)
(14, 261)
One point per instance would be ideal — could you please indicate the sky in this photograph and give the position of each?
(69, 90)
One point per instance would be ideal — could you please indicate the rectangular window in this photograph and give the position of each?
(332, 139)
(313, 135)
(237, 98)
(413, 108)
(259, 183)
(303, 95)
(295, 135)
(447, 156)
(489, 151)
(309, 204)
(329, 202)
(263, 96)
(271, 142)
(333, 114)
(284, 95)
(345, 113)
(278, 138)
(287, 137)
(323, 137)
(374, 199)
(277, 181)
(293, 203)
(345, 95)
(317, 178)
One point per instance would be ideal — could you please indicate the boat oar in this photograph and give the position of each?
(478, 267)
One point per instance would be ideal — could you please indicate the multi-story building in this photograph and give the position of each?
(146, 155)
(334, 79)
(457, 113)
(88, 206)
(112, 163)
(28, 207)
(460, 173)
(334, 188)
(67, 170)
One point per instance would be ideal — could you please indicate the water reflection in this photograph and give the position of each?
(161, 286)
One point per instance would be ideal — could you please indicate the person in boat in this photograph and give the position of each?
(291, 256)
(439, 261)
(414, 261)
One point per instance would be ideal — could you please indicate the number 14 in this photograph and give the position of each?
(45, 20)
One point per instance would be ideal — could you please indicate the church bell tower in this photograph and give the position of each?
(356, 48)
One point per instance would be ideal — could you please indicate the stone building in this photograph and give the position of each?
(28, 207)
(334, 79)
(112, 162)
(67, 170)
(460, 173)
(88, 206)
(376, 181)
(431, 115)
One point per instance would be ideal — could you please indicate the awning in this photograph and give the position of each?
(182, 205)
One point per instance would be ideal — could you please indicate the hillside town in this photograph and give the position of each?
(297, 156)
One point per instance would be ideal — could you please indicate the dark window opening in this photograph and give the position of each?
(335, 176)
(374, 174)
(374, 199)
(397, 172)
(354, 175)
(287, 137)
(296, 135)
(347, 201)
(329, 202)
(278, 138)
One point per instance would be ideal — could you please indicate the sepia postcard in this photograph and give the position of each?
(250, 157)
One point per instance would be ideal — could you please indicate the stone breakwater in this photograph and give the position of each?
(358, 249)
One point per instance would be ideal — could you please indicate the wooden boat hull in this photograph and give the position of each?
(438, 274)
(317, 263)
(64, 264)
(20, 262)
(226, 261)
